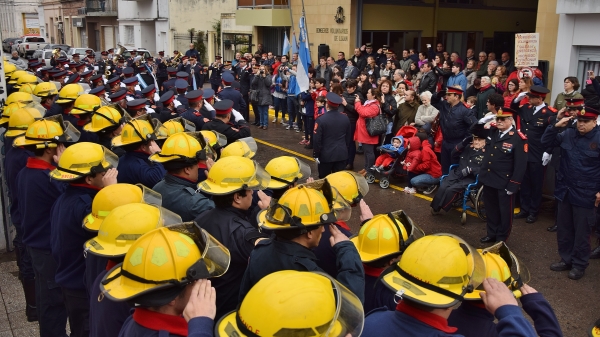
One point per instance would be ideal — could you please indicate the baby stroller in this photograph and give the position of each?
(395, 169)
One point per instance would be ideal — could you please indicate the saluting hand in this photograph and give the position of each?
(110, 177)
(202, 302)
(336, 235)
(597, 199)
(59, 151)
(264, 201)
(563, 122)
(496, 294)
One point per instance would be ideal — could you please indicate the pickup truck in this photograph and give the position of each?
(30, 44)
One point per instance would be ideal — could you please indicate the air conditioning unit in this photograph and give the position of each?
(79, 22)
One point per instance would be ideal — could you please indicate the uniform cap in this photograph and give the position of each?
(182, 74)
(60, 74)
(167, 97)
(98, 91)
(228, 78)
(80, 65)
(184, 58)
(73, 79)
(574, 102)
(224, 107)
(479, 131)
(505, 112)
(136, 104)
(333, 99)
(76, 55)
(104, 53)
(171, 71)
(161, 53)
(175, 52)
(87, 73)
(209, 93)
(588, 113)
(181, 84)
(119, 95)
(131, 81)
(149, 90)
(218, 57)
(113, 80)
(539, 91)
(110, 50)
(128, 71)
(194, 96)
(453, 90)
(96, 78)
(369, 45)
(227, 63)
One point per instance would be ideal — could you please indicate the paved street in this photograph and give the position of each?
(575, 302)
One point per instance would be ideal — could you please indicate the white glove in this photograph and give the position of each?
(509, 192)
(237, 116)
(486, 119)
(317, 160)
(546, 157)
(520, 97)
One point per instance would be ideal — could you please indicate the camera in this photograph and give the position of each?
(262, 72)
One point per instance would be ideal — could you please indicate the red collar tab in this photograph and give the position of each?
(202, 166)
(184, 178)
(39, 164)
(156, 321)
(140, 151)
(86, 186)
(110, 264)
(372, 271)
(343, 224)
(433, 320)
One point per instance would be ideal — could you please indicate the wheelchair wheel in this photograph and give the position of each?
(384, 182)
(463, 218)
(370, 178)
(479, 205)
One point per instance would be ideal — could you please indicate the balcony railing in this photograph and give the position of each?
(267, 4)
(101, 7)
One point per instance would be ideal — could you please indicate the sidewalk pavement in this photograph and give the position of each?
(13, 322)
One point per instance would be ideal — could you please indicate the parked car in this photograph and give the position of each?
(62, 47)
(127, 53)
(7, 44)
(30, 44)
(46, 55)
(80, 51)
(15, 46)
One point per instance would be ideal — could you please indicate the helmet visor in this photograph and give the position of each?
(70, 133)
(36, 105)
(478, 269)
(221, 140)
(187, 125)
(519, 272)
(413, 230)
(258, 181)
(216, 256)
(340, 207)
(349, 314)
(207, 151)
(304, 170)
(250, 148)
(149, 196)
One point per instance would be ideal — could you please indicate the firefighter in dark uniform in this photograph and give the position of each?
(196, 113)
(128, 72)
(143, 73)
(149, 93)
(230, 93)
(332, 137)
(197, 73)
(119, 98)
(167, 107)
(96, 81)
(244, 73)
(130, 84)
(181, 87)
(114, 84)
(86, 175)
(103, 63)
(161, 70)
(119, 67)
(221, 123)
(37, 194)
(503, 168)
(577, 188)
(170, 82)
(533, 120)
(184, 65)
(178, 187)
(215, 73)
(107, 124)
(136, 107)
(228, 222)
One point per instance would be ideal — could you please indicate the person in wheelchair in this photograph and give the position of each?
(392, 152)
(470, 155)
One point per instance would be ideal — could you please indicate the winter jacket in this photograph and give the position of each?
(482, 98)
(471, 75)
(459, 79)
(429, 163)
(425, 114)
(369, 110)
(560, 101)
(406, 114)
(351, 72)
(428, 83)
(405, 64)
(263, 85)
(413, 157)
(590, 97)
(315, 94)
(309, 103)
(389, 108)
(349, 109)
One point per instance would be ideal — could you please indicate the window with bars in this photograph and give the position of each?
(129, 38)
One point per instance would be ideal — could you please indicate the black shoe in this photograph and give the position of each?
(349, 168)
(31, 313)
(531, 219)
(309, 146)
(430, 190)
(487, 239)
(360, 150)
(256, 123)
(521, 215)
(576, 274)
(560, 266)
(595, 253)
(552, 229)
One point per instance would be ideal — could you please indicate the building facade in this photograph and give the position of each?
(19, 17)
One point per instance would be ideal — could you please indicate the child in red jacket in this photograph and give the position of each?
(426, 175)
(412, 160)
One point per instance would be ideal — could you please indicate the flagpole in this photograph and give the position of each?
(305, 27)
(291, 18)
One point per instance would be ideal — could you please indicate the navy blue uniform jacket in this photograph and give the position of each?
(179, 196)
(230, 93)
(136, 168)
(332, 137)
(146, 323)
(106, 316)
(227, 130)
(534, 126)
(15, 161)
(377, 294)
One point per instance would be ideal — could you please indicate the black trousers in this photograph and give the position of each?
(77, 302)
(352, 146)
(573, 234)
(52, 314)
(446, 155)
(451, 188)
(531, 188)
(326, 169)
(499, 208)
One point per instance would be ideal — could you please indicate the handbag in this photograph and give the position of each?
(377, 125)
(253, 95)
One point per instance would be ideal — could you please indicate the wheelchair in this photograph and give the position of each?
(473, 193)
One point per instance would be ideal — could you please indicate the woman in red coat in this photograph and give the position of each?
(369, 109)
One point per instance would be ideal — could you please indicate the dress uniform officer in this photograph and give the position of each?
(298, 227)
(197, 113)
(455, 120)
(106, 123)
(504, 165)
(181, 103)
(533, 120)
(131, 83)
(470, 158)
(167, 107)
(380, 244)
(577, 188)
(119, 97)
(178, 187)
(228, 221)
(138, 139)
(114, 84)
(100, 92)
(161, 291)
(96, 81)
(230, 93)
(15, 160)
(37, 194)
(221, 123)
(161, 69)
(332, 138)
(149, 93)
(197, 74)
(215, 73)
(170, 82)
(86, 167)
(103, 63)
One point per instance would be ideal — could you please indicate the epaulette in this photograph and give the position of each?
(522, 135)
(552, 109)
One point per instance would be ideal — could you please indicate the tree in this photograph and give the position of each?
(200, 46)
(217, 27)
